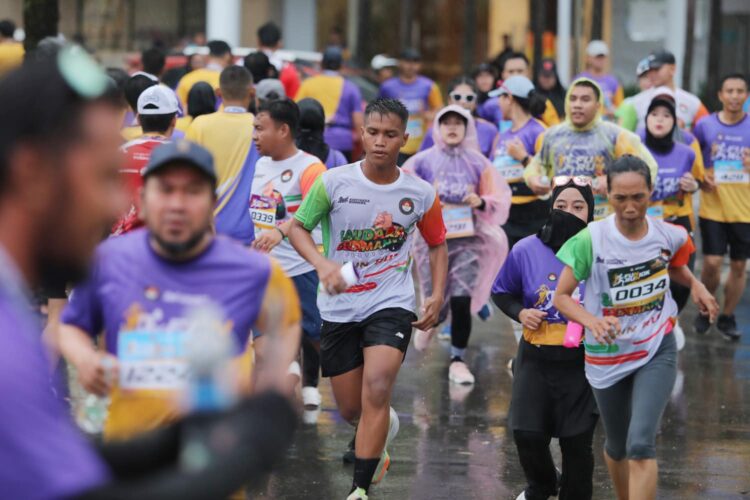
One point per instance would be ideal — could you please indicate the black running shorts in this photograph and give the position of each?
(717, 236)
(342, 344)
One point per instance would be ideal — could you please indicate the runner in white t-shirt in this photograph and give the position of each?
(282, 179)
(627, 261)
(369, 212)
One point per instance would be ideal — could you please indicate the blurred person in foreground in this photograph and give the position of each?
(59, 192)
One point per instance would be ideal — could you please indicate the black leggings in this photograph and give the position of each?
(577, 465)
(460, 321)
(310, 363)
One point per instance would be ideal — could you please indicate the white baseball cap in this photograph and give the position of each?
(381, 61)
(157, 100)
(597, 48)
(516, 85)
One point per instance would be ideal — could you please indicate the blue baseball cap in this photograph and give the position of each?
(181, 152)
(516, 85)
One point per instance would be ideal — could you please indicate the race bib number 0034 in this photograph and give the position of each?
(152, 360)
(640, 287)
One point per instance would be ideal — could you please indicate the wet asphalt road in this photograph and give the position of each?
(454, 442)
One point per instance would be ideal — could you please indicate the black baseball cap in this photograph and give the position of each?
(183, 152)
(332, 57)
(411, 54)
(659, 58)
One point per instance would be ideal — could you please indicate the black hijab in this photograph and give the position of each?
(312, 124)
(561, 225)
(664, 144)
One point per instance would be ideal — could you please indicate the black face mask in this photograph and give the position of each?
(560, 227)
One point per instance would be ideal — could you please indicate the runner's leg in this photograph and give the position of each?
(735, 285)
(614, 407)
(537, 463)
(576, 482)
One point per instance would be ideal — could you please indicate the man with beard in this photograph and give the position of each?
(59, 192)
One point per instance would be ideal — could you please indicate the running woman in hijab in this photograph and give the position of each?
(513, 150)
(628, 261)
(551, 397)
(475, 202)
(312, 124)
(680, 174)
(463, 92)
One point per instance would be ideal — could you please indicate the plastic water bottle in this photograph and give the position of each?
(348, 273)
(210, 389)
(573, 333)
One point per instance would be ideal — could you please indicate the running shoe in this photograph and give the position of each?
(727, 325)
(510, 366)
(358, 494)
(702, 324)
(422, 339)
(485, 312)
(679, 336)
(445, 332)
(522, 496)
(310, 397)
(385, 458)
(348, 456)
(459, 373)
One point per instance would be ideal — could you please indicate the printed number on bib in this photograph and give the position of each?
(602, 208)
(509, 168)
(414, 128)
(459, 221)
(730, 172)
(263, 212)
(640, 287)
(152, 360)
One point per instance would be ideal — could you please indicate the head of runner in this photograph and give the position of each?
(661, 121)
(201, 100)
(275, 128)
(572, 210)
(519, 99)
(583, 103)
(219, 53)
(384, 132)
(733, 93)
(629, 186)
(516, 64)
(157, 110)
(59, 165)
(463, 92)
(452, 126)
(178, 199)
(236, 86)
(662, 67)
(312, 124)
(409, 64)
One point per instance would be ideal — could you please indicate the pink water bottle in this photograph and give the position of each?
(573, 334)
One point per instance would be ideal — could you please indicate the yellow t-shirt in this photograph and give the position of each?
(11, 56)
(210, 76)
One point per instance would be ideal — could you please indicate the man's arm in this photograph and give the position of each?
(96, 369)
(432, 228)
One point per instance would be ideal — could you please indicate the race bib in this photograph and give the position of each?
(602, 208)
(508, 167)
(152, 360)
(459, 221)
(414, 127)
(638, 288)
(263, 212)
(656, 211)
(730, 172)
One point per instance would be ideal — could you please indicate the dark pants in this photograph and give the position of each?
(460, 321)
(577, 465)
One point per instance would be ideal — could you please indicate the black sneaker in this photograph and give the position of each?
(728, 327)
(348, 456)
(702, 324)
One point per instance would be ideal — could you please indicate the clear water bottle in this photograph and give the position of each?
(210, 388)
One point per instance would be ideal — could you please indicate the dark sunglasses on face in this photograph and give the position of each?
(463, 97)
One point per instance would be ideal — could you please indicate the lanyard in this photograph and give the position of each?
(235, 109)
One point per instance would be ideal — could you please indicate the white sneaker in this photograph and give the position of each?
(311, 396)
(679, 336)
(422, 339)
(522, 496)
(393, 426)
(358, 494)
(459, 373)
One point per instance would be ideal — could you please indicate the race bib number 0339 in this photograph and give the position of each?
(263, 212)
(152, 360)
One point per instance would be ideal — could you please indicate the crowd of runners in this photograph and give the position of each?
(319, 234)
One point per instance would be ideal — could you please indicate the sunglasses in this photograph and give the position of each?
(81, 72)
(463, 97)
(564, 180)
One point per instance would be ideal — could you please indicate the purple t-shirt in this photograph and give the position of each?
(335, 159)
(531, 272)
(133, 289)
(608, 84)
(486, 134)
(672, 166)
(491, 111)
(42, 453)
(338, 133)
(510, 168)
